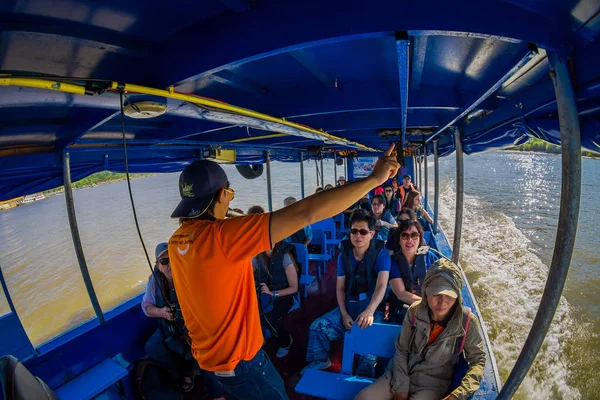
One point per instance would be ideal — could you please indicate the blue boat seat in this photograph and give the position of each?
(331, 386)
(378, 339)
(327, 226)
(302, 258)
(92, 382)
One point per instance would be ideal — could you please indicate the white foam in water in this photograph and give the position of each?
(508, 280)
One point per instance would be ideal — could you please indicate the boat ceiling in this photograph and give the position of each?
(358, 71)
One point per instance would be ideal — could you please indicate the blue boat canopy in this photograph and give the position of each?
(287, 79)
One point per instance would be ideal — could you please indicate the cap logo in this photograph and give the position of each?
(187, 190)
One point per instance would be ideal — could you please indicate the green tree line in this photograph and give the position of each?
(98, 178)
(542, 146)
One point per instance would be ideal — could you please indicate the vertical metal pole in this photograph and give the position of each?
(322, 179)
(426, 191)
(76, 239)
(14, 311)
(419, 160)
(269, 194)
(335, 176)
(460, 186)
(568, 216)
(302, 174)
(345, 169)
(436, 194)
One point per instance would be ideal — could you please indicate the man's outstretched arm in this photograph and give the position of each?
(328, 203)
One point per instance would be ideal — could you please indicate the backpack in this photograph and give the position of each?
(155, 382)
(459, 345)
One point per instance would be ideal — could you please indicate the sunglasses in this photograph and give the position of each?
(363, 232)
(164, 261)
(231, 192)
(376, 204)
(407, 236)
(389, 191)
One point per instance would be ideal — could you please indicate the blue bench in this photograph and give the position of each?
(302, 258)
(92, 382)
(327, 226)
(378, 339)
(319, 238)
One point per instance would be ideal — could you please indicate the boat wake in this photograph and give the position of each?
(508, 279)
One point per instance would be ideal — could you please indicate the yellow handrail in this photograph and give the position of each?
(40, 83)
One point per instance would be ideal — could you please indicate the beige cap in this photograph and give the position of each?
(441, 286)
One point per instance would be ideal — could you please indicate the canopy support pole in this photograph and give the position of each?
(345, 169)
(322, 175)
(420, 171)
(568, 216)
(269, 193)
(436, 194)
(70, 205)
(460, 187)
(335, 175)
(302, 174)
(426, 190)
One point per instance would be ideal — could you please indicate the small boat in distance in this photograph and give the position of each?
(30, 198)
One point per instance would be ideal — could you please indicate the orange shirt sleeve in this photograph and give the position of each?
(242, 238)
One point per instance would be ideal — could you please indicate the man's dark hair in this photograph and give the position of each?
(381, 199)
(256, 210)
(360, 215)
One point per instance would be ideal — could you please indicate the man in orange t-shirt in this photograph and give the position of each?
(212, 270)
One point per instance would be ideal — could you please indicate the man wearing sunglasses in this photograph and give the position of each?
(362, 278)
(211, 259)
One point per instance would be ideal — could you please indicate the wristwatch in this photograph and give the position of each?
(275, 294)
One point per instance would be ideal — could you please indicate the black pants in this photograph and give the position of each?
(281, 308)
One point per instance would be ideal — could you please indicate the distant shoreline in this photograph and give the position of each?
(100, 178)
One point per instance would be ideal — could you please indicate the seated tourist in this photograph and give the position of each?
(436, 323)
(363, 269)
(169, 344)
(318, 189)
(341, 180)
(304, 235)
(407, 271)
(277, 276)
(392, 204)
(413, 201)
(255, 210)
(384, 218)
(328, 186)
(393, 242)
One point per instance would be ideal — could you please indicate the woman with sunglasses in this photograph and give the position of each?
(392, 204)
(169, 344)
(363, 268)
(408, 268)
(385, 220)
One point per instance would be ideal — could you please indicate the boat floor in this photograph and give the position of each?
(321, 299)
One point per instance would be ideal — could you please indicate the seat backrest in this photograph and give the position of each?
(17, 383)
(327, 225)
(378, 339)
(301, 258)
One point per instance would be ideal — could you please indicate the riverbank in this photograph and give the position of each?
(534, 145)
(99, 178)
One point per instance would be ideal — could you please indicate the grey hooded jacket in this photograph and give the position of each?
(419, 366)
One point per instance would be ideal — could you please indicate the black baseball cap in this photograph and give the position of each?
(198, 184)
(406, 176)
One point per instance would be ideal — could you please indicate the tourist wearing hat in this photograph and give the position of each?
(341, 181)
(169, 345)
(426, 350)
(406, 188)
(212, 270)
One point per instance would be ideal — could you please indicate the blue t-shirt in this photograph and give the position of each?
(382, 263)
(430, 258)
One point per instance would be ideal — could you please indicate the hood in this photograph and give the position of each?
(447, 270)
